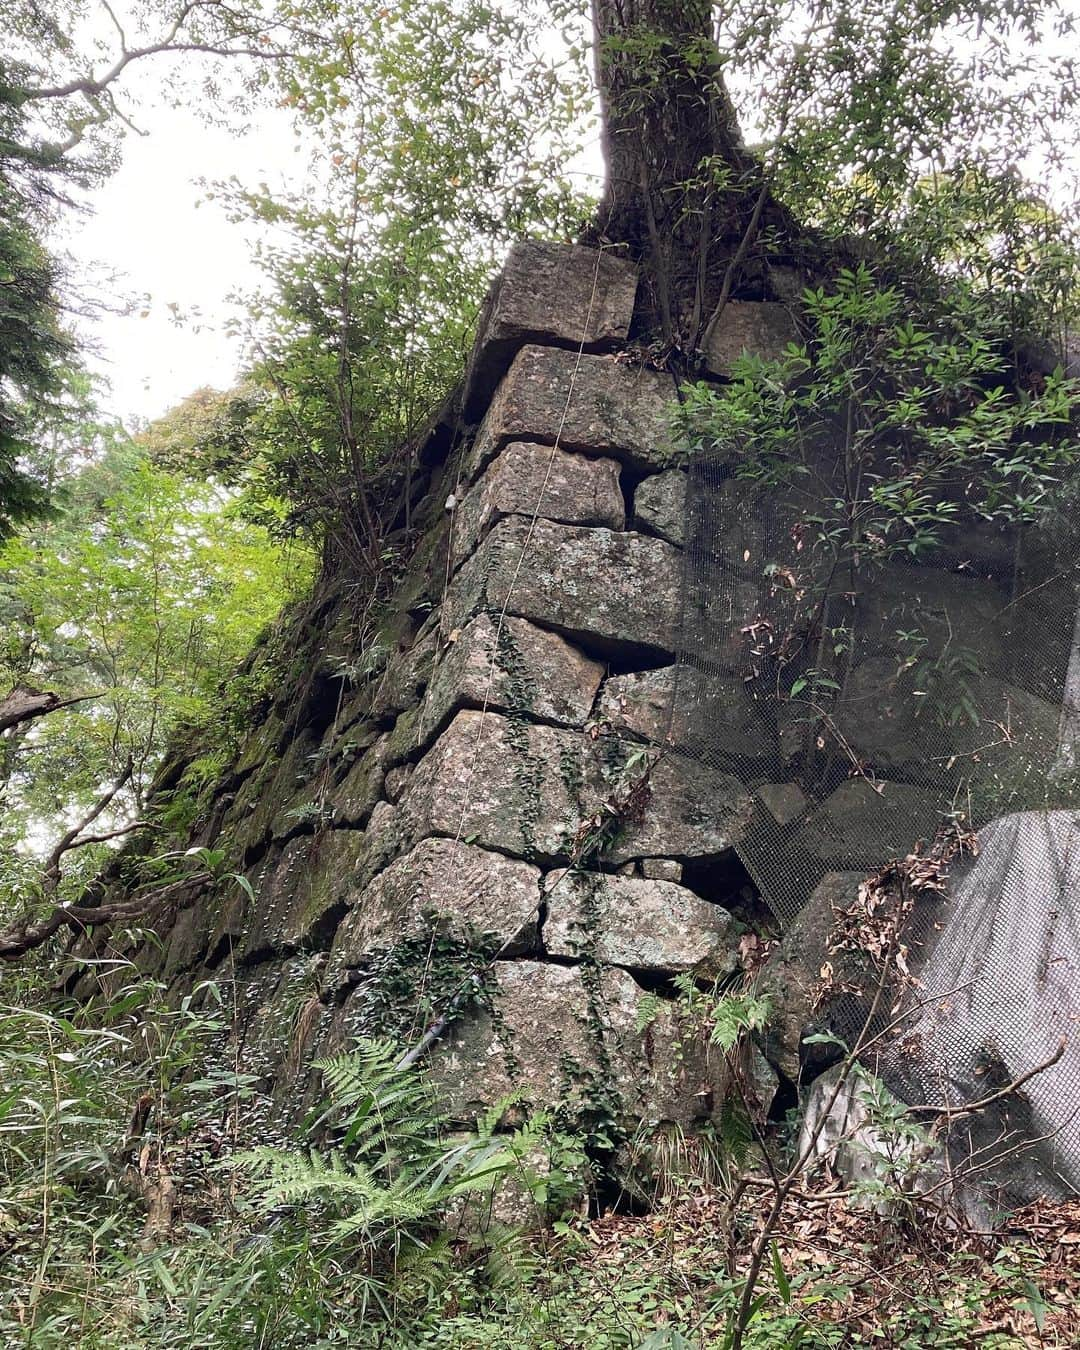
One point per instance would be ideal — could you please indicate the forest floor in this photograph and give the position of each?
(837, 1277)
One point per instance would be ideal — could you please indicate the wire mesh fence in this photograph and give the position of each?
(880, 692)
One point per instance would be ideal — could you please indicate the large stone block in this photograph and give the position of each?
(704, 713)
(606, 588)
(895, 729)
(406, 676)
(558, 294)
(749, 327)
(692, 812)
(540, 480)
(629, 921)
(660, 506)
(517, 668)
(507, 786)
(528, 790)
(465, 888)
(561, 1035)
(300, 891)
(551, 1041)
(959, 617)
(864, 824)
(596, 404)
(792, 980)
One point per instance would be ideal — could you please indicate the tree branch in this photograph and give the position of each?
(26, 935)
(24, 704)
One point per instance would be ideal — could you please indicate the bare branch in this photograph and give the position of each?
(952, 1112)
(24, 704)
(27, 935)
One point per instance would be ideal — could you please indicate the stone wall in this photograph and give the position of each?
(434, 796)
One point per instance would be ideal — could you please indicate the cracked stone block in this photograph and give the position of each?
(512, 787)
(559, 294)
(660, 506)
(529, 479)
(594, 585)
(687, 707)
(693, 811)
(756, 328)
(528, 789)
(649, 925)
(551, 1041)
(467, 888)
(517, 668)
(596, 404)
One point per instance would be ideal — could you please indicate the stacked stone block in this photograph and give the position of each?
(529, 665)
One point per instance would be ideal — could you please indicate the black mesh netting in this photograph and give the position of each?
(876, 695)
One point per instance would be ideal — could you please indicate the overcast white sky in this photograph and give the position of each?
(153, 230)
(149, 229)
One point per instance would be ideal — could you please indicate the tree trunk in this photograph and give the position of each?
(681, 188)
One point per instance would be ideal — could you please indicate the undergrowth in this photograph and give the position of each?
(138, 1210)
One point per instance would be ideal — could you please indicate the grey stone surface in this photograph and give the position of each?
(867, 825)
(596, 404)
(260, 745)
(785, 801)
(792, 978)
(661, 869)
(395, 781)
(693, 710)
(594, 584)
(527, 480)
(405, 677)
(515, 788)
(466, 888)
(660, 506)
(562, 294)
(759, 328)
(959, 615)
(684, 1080)
(354, 798)
(299, 889)
(692, 812)
(891, 729)
(534, 672)
(545, 1045)
(630, 921)
(528, 789)
(639, 704)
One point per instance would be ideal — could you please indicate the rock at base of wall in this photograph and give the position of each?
(793, 981)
